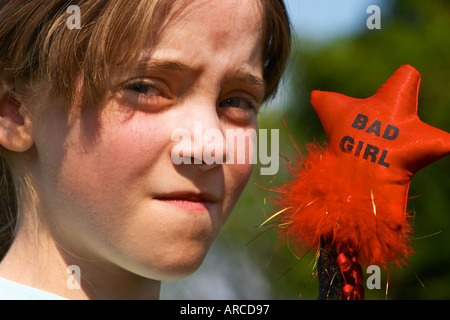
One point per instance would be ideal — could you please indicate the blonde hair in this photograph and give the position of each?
(39, 50)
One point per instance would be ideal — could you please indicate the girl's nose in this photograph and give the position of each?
(201, 139)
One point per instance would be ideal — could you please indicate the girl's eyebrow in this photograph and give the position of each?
(249, 78)
(165, 65)
(242, 75)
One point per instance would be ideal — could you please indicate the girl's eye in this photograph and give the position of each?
(239, 103)
(144, 89)
(230, 102)
(240, 110)
(144, 93)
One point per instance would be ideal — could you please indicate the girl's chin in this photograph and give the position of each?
(172, 262)
(171, 268)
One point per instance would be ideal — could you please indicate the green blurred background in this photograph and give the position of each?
(248, 263)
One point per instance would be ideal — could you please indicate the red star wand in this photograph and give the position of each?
(349, 199)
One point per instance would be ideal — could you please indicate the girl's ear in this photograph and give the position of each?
(15, 122)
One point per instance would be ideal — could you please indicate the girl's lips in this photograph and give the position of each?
(188, 205)
(189, 196)
(191, 201)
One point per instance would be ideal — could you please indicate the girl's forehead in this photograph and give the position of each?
(213, 30)
(210, 25)
(221, 17)
(227, 8)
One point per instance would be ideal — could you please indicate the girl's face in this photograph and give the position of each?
(107, 185)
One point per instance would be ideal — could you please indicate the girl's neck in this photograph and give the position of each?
(37, 260)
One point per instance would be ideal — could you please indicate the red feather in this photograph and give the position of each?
(327, 199)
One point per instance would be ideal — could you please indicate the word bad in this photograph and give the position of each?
(74, 20)
(73, 282)
(374, 21)
(371, 152)
(237, 147)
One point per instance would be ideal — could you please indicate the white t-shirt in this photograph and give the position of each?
(10, 290)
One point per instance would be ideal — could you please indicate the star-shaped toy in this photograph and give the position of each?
(354, 192)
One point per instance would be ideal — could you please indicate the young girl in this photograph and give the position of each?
(92, 204)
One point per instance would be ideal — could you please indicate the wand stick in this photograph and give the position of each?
(340, 275)
(330, 278)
